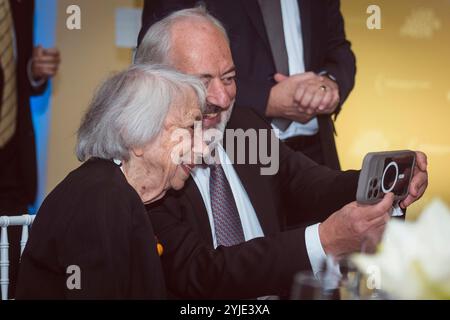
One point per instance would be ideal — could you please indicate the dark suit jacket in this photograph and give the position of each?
(325, 48)
(18, 158)
(95, 220)
(193, 269)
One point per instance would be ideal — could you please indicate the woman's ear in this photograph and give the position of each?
(138, 152)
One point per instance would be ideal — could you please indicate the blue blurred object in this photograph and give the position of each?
(45, 35)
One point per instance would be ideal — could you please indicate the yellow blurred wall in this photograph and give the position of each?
(88, 56)
(401, 99)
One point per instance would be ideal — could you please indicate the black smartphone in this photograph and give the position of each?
(384, 172)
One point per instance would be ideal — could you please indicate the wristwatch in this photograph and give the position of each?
(328, 75)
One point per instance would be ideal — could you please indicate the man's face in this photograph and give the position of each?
(198, 48)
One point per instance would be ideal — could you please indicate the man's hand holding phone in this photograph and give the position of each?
(355, 227)
(359, 227)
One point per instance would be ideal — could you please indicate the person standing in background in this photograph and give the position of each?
(24, 71)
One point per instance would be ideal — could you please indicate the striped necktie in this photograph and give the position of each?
(8, 107)
(227, 223)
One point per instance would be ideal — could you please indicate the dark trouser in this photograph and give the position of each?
(308, 145)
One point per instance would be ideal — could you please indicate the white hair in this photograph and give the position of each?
(129, 108)
(156, 44)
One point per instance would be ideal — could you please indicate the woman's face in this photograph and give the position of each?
(167, 159)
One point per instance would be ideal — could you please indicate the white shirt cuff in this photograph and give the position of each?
(316, 254)
(318, 258)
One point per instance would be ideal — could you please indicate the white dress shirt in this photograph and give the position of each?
(250, 223)
(294, 46)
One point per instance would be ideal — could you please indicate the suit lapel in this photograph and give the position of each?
(259, 195)
(305, 17)
(254, 12)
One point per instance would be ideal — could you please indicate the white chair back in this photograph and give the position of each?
(7, 221)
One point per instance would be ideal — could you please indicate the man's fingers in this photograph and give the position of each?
(40, 51)
(47, 59)
(386, 204)
(51, 52)
(317, 99)
(407, 202)
(417, 182)
(45, 72)
(324, 104)
(421, 160)
(305, 76)
(299, 94)
(379, 209)
(414, 193)
(307, 97)
(278, 77)
(306, 100)
(45, 67)
(42, 64)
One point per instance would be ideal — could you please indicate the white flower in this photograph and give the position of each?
(413, 260)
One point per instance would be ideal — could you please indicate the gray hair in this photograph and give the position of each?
(129, 109)
(156, 44)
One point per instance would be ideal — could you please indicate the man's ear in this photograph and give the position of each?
(138, 152)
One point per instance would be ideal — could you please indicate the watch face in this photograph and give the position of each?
(330, 76)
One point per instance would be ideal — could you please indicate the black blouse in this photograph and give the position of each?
(91, 239)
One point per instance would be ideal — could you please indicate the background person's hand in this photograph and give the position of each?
(303, 96)
(319, 95)
(44, 63)
(330, 101)
(419, 181)
(281, 101)
(354, 226)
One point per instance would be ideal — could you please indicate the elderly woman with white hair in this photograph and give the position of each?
(92, 237)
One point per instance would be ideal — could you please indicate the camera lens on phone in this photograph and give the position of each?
(375, 193)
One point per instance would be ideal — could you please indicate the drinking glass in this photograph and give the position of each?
(307, 287)
(351, 279)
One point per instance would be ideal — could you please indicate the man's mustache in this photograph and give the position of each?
(211, 109)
